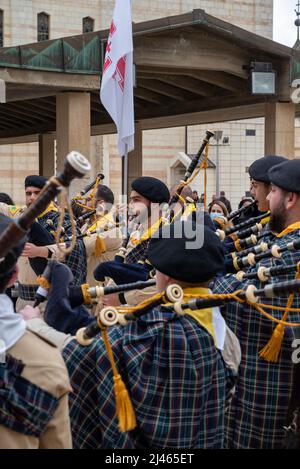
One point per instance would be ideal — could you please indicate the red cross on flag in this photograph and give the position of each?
(117, 79)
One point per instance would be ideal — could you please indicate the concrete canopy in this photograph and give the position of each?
(191, 68)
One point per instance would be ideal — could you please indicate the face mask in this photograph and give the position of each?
(214, 215)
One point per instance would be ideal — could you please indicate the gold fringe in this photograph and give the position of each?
(86, 294)
(100, 247)
(124, 407)
(272, 349)
(43, 282)
(237, 245)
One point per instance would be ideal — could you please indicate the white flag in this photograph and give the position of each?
(117, 80)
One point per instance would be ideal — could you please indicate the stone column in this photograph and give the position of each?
(280, 129)
(135, 158)
(46, 155)
(73, 130)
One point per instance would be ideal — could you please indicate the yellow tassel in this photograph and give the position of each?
(124, 407)
(43, 282)
(271, 351)
(100, 247)
(86, 294)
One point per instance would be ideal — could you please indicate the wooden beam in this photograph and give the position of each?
(43, 107)
(149, 96)
(195, 118)
(25, 111)
(198, 105)
(206, 117)
(190, 84)
(203, 50)
(14, 120)
(23, 131)
(164, 89)
(75, 81)
(14, 140)
(220, 79)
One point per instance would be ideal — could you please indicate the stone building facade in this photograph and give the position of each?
(160, 147)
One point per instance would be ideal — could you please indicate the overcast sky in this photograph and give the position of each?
(284, 30)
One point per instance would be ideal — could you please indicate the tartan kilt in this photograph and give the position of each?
(258, 409)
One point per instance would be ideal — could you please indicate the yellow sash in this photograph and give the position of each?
(293, 227)
(148, 234)
(204, 317)
(101, 223)
(51, 208)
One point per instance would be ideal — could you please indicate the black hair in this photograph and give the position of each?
(6, 198)
(105, 193)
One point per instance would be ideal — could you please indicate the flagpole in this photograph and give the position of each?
(125, 173)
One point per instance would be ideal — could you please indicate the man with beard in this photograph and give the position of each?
(257, 413)
(147, 196)
(260, 181)
(259, 188)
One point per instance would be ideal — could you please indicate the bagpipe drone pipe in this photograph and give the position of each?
(275, 251)
(124, 272)
(65, 310)
(75, 166)
(111, 316)
(78, 207)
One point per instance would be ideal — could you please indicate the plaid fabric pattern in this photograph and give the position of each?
(138, 253)
(76, 260)
(174, 374)
(258, 409)
(24, 407)
(27, 292)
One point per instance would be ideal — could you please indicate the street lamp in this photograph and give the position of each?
(263, 78)
(217, 137)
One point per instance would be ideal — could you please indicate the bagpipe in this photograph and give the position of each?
(275, 251)
(256, 248)
(189, 172)
(225, 224)
(120, 271)
(80, 294)
(264, 274)
(230, 258)
(111, 316)
(252, 225)
(241, 211)
(78, 202)
(82, 218)
(75, 166)
(65, 309)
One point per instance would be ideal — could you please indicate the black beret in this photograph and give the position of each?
(170, 254)
(7, 266)
(286, 175)
(259, 168)
(152, 189)
(35, 181)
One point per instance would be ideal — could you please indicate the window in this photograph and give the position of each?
(87, 25)
(1, 28)
(250, 132)
(42, 27)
